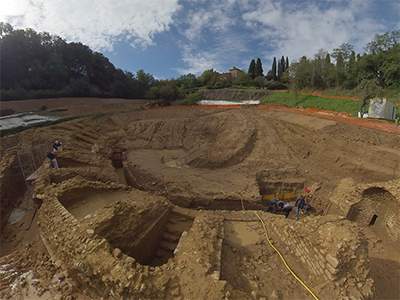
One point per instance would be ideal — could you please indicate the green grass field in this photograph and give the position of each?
(340, 105)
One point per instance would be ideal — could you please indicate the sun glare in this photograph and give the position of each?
(7, 8)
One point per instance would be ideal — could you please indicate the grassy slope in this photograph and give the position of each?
(341, 105)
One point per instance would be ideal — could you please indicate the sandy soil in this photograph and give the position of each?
(203, 159)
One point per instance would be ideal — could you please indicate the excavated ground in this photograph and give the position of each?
(202, 160)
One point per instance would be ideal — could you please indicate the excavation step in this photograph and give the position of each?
(160, 253)
(170, 247)
(175, 218)
(172, 238)
(173, 229)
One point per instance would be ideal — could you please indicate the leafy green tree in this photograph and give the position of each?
(317, 75)
(5, 29)
(37, 76)
(344, 50)
(79, 87)
(391, 68)
(144, 81)
(252, 69)
(303, 71)
(102, 72)
(57, 75)
(383, 42)
(191, 99)
(369, 88)
(207, 76)
(261, 81)
(77, 59)
(244, 79)
(153, 93)
(189, 81)
(124, 86)
(18, 50)
(258, 71)
(369, 65)
(169, 91)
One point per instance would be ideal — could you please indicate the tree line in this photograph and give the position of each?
(344, 69)
(41, 65)
(369, 74)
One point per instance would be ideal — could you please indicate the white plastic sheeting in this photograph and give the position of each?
(226, 102)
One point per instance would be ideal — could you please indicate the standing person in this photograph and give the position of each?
(396, 123)
(287, 208)
(52, 156)
(299, 203)
(56, 145)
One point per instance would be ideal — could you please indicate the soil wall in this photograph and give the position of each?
(232, 94)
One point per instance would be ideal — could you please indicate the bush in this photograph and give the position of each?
(191, 99)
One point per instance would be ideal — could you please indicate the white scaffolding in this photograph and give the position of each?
(30, 161)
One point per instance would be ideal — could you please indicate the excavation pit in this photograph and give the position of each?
(150, 237)
(66, 162)
(86, 201)
(242, 233)
(121, 175)
(209, 261)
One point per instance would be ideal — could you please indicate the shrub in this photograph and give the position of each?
(191, 99)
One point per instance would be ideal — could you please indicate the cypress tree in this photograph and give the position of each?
(258, 69)
(280, 67)
(351, 75)
(252, 69)
(287, 63)
(273, 71)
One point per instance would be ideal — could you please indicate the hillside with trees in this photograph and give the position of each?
(40, 65)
